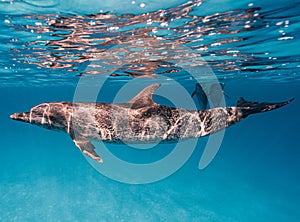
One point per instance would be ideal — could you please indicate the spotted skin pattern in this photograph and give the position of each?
(139, 120)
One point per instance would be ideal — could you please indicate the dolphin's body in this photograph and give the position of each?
(139, 120)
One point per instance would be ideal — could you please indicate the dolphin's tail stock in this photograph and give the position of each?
(248, 108)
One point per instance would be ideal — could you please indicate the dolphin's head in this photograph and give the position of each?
(46, 115)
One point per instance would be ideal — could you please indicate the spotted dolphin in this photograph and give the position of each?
(209, 93)
(139, 120)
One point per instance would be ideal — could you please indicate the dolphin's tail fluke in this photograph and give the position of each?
(255, 107)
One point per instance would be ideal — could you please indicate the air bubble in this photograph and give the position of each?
(113, 28)
(149, 22)
(154, 31)
(164, 24)
(286, 38)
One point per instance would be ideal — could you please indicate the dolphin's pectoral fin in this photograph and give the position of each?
(144, 98)
(87, 148)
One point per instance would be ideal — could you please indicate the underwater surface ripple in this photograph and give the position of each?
(250, 40)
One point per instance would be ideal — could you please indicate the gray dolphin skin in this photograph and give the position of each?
(140, 120)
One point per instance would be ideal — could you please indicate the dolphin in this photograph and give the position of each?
(212, 92)
(139, 120)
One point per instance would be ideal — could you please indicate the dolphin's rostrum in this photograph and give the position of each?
(140, 120)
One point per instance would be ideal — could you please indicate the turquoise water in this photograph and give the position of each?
(254, 176)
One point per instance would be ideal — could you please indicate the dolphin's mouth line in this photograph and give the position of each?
(13, 116)
(19, 117)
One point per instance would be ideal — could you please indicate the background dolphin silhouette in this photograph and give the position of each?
(209, 92)
(140, 120)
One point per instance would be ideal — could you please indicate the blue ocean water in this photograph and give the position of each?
(250, 46)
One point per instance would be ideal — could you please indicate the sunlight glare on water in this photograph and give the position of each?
(56, 44)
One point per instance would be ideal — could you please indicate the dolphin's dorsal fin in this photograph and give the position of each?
(144, 98)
